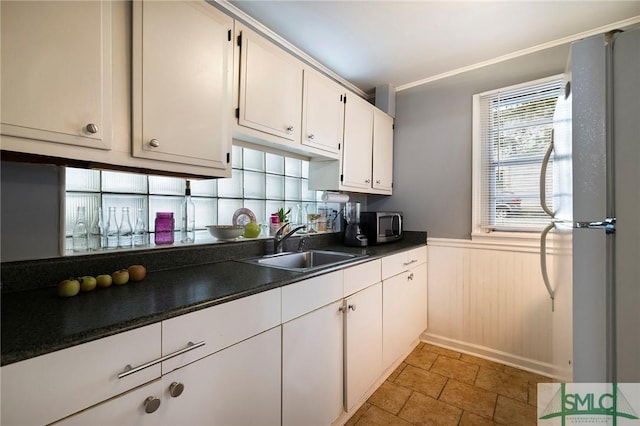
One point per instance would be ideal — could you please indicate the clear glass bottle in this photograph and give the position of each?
(125, 231)
(80, 231)
(187, 217)
(112, 229)
(97, 231)
(140, 230)
(164, 226)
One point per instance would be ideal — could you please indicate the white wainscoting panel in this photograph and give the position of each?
(489, 300)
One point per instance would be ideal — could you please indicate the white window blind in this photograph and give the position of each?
(515, 130)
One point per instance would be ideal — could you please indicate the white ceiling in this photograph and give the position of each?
(405, 43)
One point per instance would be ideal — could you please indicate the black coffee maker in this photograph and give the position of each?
(353, 235)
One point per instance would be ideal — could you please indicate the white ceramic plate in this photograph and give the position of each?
(243, 216)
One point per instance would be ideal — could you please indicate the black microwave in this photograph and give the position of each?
(381, 227)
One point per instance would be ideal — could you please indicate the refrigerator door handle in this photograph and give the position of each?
(543, 177)
(543, 263)
(609, 225)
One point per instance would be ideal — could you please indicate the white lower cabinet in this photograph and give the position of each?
(363, 343)
(404, 307)
(312, 374)
(239, 385)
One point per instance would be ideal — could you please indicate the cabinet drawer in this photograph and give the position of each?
(397, 263)
(46, 388)
(305, 296)
(219, 327)
(361, 276)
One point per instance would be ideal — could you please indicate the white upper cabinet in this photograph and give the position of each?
(382, 173)
(182, 83)
(358, 143)
(270, 88)
(367, 153)
(322, 112)
(56, 72)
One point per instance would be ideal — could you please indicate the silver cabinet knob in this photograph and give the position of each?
(378, 181)
(352, 307)
(155, 143)
(289, 129)
(367, 181)
(151, 404)
(343, 309)
(91, 128)
(410, 277)
(176, 389)
(311, 136)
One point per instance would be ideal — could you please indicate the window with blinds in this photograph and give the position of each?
(514, 130)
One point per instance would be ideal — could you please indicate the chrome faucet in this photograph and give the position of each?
(279, 239)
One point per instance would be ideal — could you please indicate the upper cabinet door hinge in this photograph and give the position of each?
(341, 96)
(345, 99)
(229, 35)
(339, 147)
(237, 112)
(240, 39)
(341, 178)
(228, 157)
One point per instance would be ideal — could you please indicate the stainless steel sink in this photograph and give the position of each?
(304, 261)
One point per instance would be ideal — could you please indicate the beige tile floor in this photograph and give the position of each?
(437, 386)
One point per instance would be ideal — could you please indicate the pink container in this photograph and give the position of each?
(165, 226)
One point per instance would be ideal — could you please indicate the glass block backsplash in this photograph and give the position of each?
(262, 182)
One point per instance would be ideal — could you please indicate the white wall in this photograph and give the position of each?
(489, 300)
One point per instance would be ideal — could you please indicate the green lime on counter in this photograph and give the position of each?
(251, 230)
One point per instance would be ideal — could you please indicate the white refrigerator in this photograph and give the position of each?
(592, 272)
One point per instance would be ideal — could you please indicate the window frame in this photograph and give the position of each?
(497, 235)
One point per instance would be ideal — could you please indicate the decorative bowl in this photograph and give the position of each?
(225, 232)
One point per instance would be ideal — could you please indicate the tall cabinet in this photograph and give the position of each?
(56, 72)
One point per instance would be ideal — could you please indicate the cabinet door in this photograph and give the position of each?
(270, 88)
(363, 342)
(322, 112)
(240, 385)
(418, 308)
(358, 140)
(182, 83)
(312, 368)
(56, 71)
(382, 151)
(404, 310)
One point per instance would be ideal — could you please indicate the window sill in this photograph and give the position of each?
(525, 241)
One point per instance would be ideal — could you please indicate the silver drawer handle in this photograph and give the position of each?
(128, 369)
(410, 262)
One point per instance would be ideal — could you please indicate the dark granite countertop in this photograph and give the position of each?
(37, 321)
